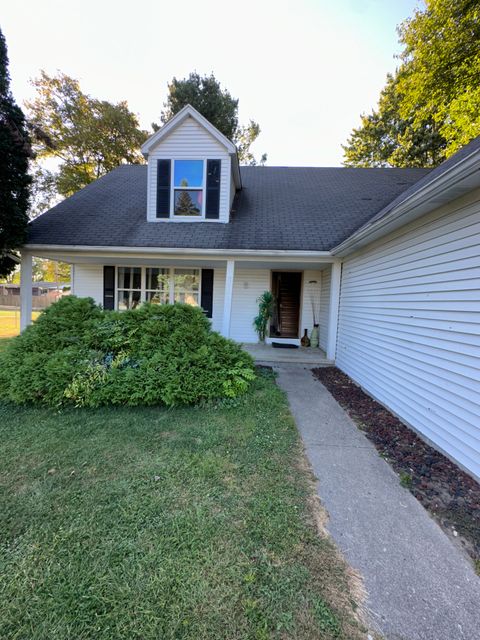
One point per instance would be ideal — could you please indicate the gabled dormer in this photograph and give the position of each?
(193, 171)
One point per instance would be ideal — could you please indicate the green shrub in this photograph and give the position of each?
(76, 353)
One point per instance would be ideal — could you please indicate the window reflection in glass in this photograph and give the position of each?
(187, 286)
(129, 285)
(129, 277)
(188, 202)
(157, 285)
(128, 300)
(188, 173)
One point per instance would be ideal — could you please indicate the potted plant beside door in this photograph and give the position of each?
(266, 304)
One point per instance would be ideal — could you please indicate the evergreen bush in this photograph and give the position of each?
(77, 353)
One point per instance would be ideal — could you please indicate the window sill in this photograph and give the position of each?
(183, 219)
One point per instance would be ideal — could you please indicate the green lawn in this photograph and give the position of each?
(157, 524)
(10, 322)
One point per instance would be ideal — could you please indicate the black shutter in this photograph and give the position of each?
(207, 292)
(109, 287)
(163, 188)
(212, 207)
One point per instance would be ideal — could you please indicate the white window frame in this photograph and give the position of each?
(173, 188)
(130, 290)
(143, 282)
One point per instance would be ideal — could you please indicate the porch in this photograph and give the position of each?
(267, 354)
(305, 286)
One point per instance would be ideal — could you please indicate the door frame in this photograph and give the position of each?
(292, 340)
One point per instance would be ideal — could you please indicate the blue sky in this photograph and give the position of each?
(303, 69)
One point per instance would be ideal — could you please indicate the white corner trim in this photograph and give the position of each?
(333, 310)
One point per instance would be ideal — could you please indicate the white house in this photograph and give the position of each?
(388, 261)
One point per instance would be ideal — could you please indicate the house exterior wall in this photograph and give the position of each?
(409, 326)
(189, 141)
(248, 285)
(88, 281)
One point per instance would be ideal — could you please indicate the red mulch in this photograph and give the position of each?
(447, 492)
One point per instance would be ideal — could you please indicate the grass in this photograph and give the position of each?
(10, 322)
(154, 523)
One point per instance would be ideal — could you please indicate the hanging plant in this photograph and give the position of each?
(266, 304)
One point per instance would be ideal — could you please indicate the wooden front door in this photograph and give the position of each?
(286, 287)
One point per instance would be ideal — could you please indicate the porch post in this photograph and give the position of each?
(227, 302)
(333, 310)
(72, 279)
(25, 290)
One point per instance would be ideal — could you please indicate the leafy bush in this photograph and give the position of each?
(76, 353)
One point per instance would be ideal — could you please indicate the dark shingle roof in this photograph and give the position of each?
(279, 208)
(430, 176)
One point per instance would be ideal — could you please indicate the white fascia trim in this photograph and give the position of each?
(186, 112)
(241, 253)
(396, 217)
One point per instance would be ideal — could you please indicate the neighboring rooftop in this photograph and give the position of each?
(284, 208)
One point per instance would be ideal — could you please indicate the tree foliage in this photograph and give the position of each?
(431, 106)
(387, 138)
(441, 59)
(43, 270)
(15, 152)
(88, 137)
(217, 106)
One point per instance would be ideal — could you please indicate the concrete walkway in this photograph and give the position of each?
(266, 354)
(420, 586)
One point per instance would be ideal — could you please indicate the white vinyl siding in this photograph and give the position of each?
(409, 326)
(89, 281)
(248, 285)
(189, 141)
(326, 276)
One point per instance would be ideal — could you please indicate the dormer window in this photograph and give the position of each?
(193, 171)
(188, 187)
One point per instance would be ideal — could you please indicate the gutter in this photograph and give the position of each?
(218, 253)
(410, 208)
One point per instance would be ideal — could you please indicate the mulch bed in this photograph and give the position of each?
(447, 492)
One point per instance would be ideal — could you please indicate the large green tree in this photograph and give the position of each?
(15, 152)
(388, 138)
(217, 106)
(441, 61)
(86, 136)
(431, 107)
